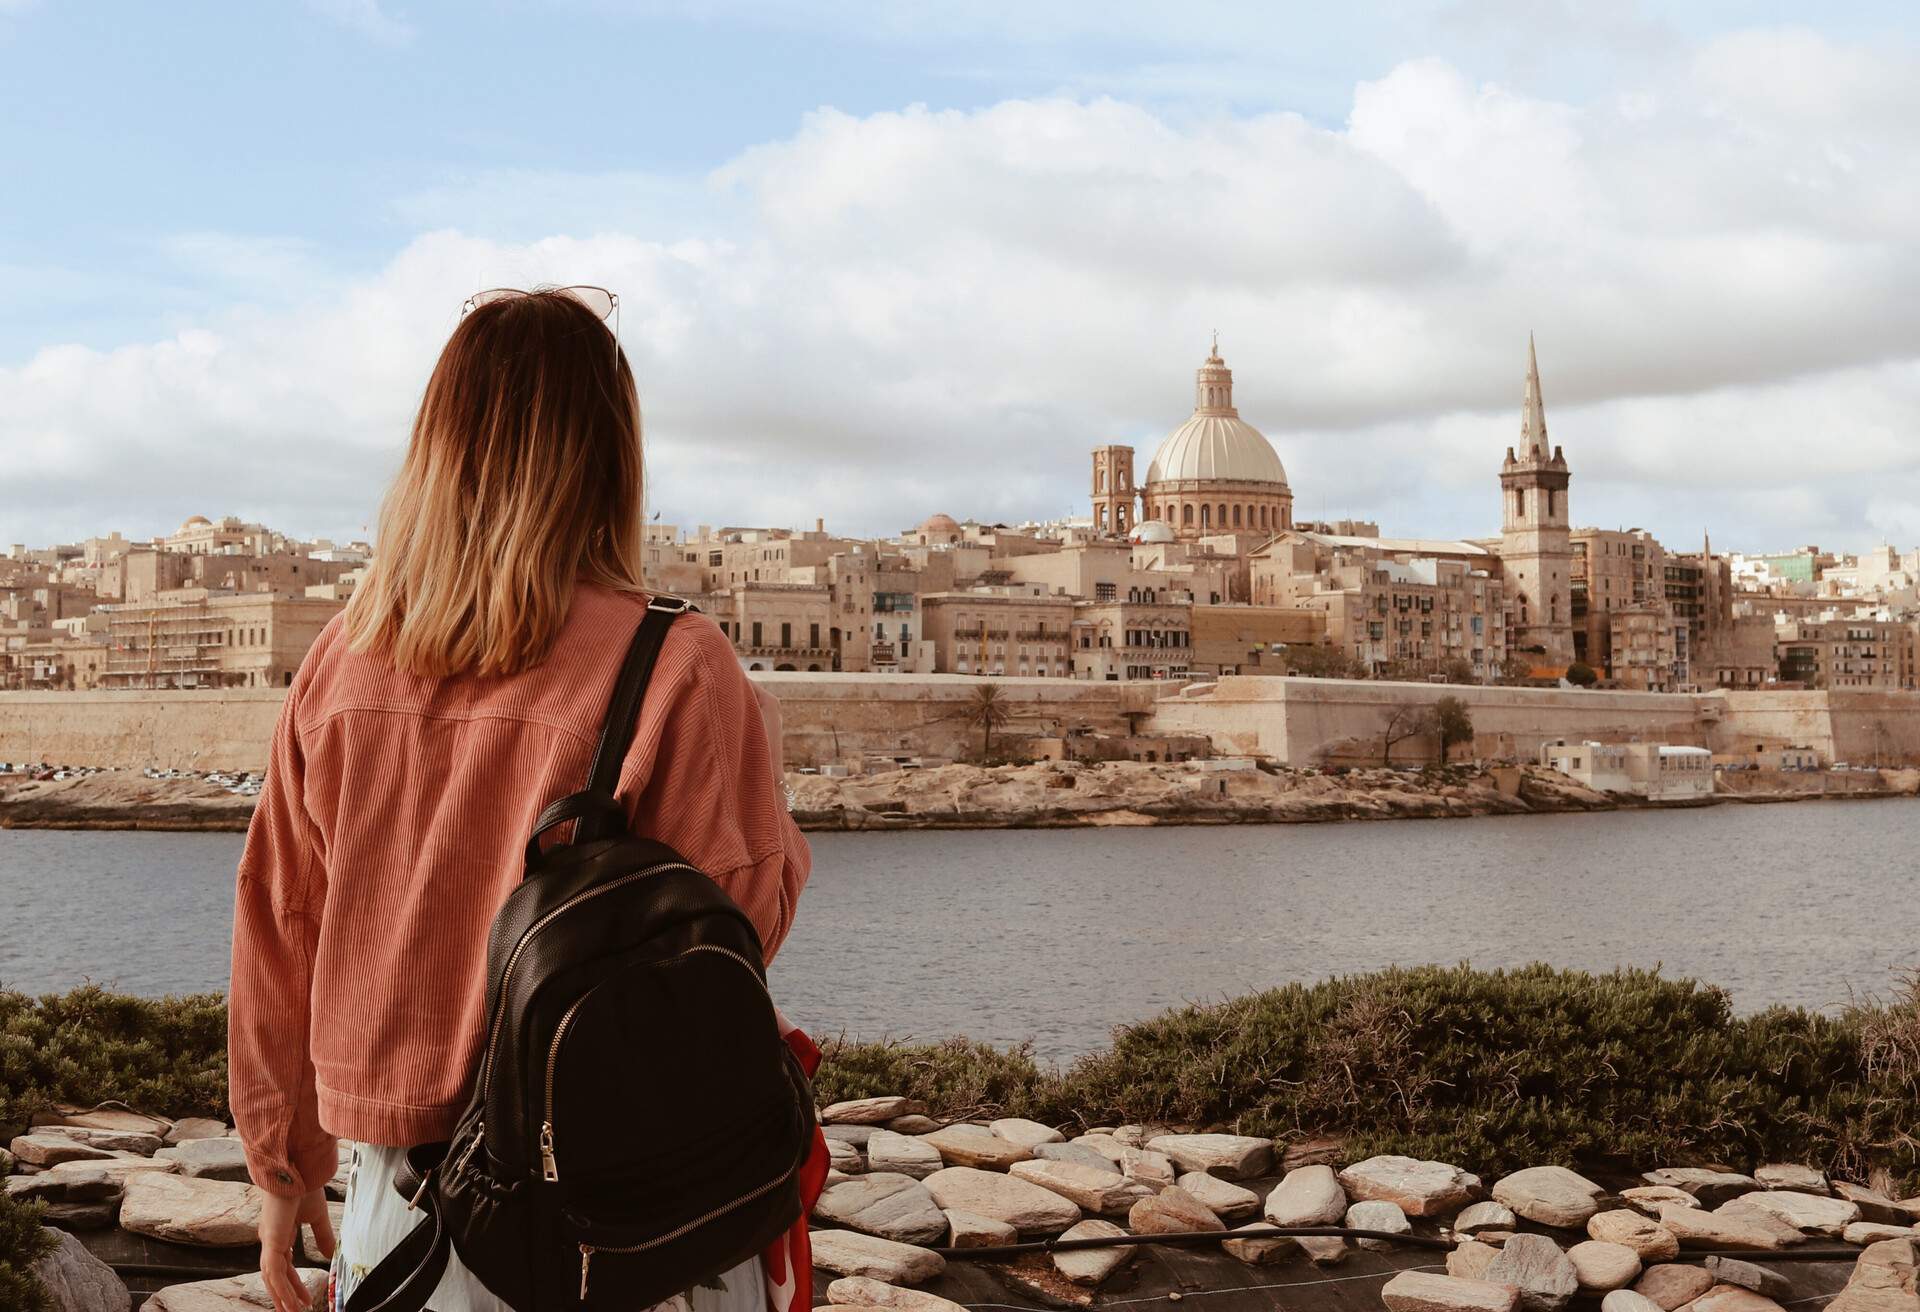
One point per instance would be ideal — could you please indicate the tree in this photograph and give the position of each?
(1582, 675)
(1403, 722)
(1457, 670)
(1452, 724)
(1516, 668)
(1321, 661)
(988, 709)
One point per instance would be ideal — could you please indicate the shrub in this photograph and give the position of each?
(23, 1241)
(89, 1046)
(955, 1078)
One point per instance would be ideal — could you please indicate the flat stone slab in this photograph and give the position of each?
(1625, 1300)
(1602, 1266)
(1712, 1187)
(208, 1213)
(1873, 1205)
(1697, 1228)
(1812, 1214)
(1671, 1285)
(863, 1291)
(1551, 1195)
(1378, 1214)
(49, 1148)
(1308, 1195)
(195, 1127)
(1418, 1188)
(212, 1158)
(976, 1146)
(105, 1117)
(1149, 1166)
(1172, 1211)
(121, 1141)
(1226, 1200)
(970, 1230)
(1534, 1265)
(1028, 1134)
(845, 1158)
(902, 1154)
(1650, 1198)
(1649, 1240)
(1091, 1266)
(1786, 1175)
(870, 1111)
(1427, 1291)
(1094, 1189)
(1027, 1207)
(247, 1293)
(1260, 1250)
(1229, 1156)
(896, 1207)
(79, 1281)
(850, 1253)
(1484, 1216)
(1076, 1152)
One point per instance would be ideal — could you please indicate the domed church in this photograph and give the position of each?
(1216, 473)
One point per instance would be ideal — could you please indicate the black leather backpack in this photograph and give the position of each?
(637, 1124)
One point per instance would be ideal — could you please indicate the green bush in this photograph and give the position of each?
(89, 1046)
(956, 1078)
(23, 1241)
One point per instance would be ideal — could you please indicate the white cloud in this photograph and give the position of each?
(367, 17)
(881, 316)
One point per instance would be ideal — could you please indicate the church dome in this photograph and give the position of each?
(940, 523)
(1152, 530)
(1216, 444)
(196, 521)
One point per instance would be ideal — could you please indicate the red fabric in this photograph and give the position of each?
(788, 1263)
(391, 826)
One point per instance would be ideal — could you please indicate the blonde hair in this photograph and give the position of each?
(523, 476)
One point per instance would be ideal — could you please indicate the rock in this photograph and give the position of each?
(1696, 1228)
(902, 1155)
(1873, 1205)
(845, 1158)
(1229, 1156)
(1650, 1241)
(857, 1135)
(1424, 1291)
(850, 1253)
(194, 1127)
(1551, 1195)
(1309, 1195)
(1172, 1211)
(1872, 1232)
(1225, 1200)
(863, 1291)
(1090, 1266)
(1028, 1134)
(1323, 1250)
(1650, 1198)
(1484, 1216)
(119, 1141)
(870, 1111)
(209, 1213)
(1671, 1285)
(1378, 1214)
(1151, 1168)
(1748, 1275)
(56, 1186)
(1313, 1152)
(1732, 1298)
(1745, 1209)
(971, 1230)
(49, 1148)
(1712, 1187)
(976, 1146)
(1883, 1280)
(1470, 1260)
(913, 1124)
(1104, 1144)
(1800, 1179)
(1090, 1187)
(1418, 1188)
(107, 1116)
(1134, 1136)
(860, 1292)
(211, 1158)
(1625, 1300)
(1075, 1152)
(80, 1216)
(113, 1170)
(896, 1207)
(1810, 1214)
(1022, 1204)
(1258, 1249)
(1535, 1266)
(237, 1294)
(1603, 1266)
(80, 1282)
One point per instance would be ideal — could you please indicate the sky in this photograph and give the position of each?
(881, 260)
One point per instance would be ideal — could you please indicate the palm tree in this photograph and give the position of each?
(987, 708)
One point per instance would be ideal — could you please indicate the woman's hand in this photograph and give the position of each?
(280, 1222)
(776, 732)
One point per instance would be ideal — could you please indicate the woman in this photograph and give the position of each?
(461, 692)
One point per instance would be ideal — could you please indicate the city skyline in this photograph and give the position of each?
(874, 296)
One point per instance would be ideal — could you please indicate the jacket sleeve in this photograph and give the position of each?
(705, 785)
(276, 924)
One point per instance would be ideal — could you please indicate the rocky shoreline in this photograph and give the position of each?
(908, 1193)
(1046, 795)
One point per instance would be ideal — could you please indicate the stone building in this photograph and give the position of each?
(1132, 639)
(775, 626)
(1019, 630)
(1536, 554)
(1861, 652)
(196, 639)
(1214, 473)
(1251, 639)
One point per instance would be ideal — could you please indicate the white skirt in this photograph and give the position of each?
(376, 1218)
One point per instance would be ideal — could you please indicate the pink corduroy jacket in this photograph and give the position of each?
(392, 824)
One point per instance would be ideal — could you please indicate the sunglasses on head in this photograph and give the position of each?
(597, 299)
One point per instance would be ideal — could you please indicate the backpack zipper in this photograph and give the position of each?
(549, 1167)
(588, 1250)
(513, 958)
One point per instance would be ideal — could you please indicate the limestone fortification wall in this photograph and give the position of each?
(847, 716)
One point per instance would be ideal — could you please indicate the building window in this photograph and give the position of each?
(786, 634)
(1105, 591)
(756, 633)
(813, 635)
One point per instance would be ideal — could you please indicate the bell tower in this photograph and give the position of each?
(1113, 490)
(1536, 550)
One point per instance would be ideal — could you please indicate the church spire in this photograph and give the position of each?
(1533, 413)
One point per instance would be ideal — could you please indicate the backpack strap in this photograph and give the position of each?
(406, 1277)
(596, 808)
